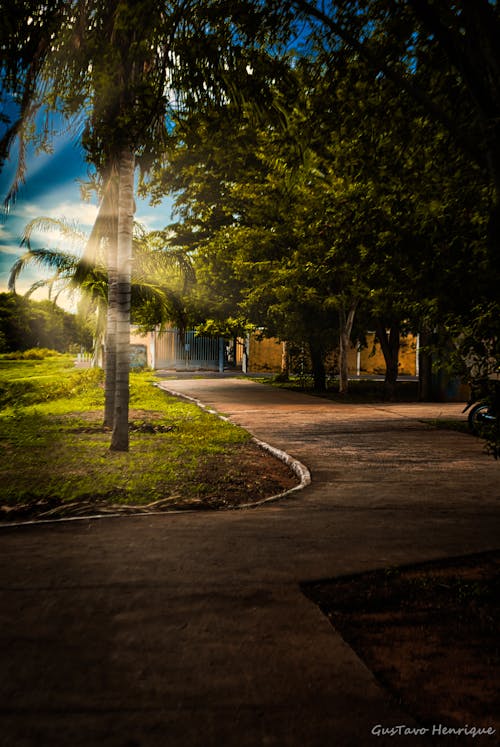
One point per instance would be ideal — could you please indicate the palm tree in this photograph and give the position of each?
(160, 278)
(77, 270)
(123, 69)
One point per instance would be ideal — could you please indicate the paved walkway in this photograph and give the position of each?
(191, 630)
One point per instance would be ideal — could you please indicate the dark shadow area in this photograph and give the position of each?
(431, 635)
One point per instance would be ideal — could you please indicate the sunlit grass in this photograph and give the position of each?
(53, 445)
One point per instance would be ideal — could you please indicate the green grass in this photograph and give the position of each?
(53, 446)
(25, 382)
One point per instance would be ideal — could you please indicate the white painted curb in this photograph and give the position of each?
(299, 469)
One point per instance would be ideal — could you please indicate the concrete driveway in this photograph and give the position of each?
(192, 630)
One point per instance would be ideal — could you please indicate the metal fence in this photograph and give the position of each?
(188, 351)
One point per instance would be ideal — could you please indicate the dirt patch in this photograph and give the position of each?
(246, 474)
(431, 636)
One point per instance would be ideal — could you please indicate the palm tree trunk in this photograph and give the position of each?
(110, 342)
(109, 210)
(119, 438)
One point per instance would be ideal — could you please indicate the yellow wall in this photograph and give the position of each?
(372, 359)
(265, 356)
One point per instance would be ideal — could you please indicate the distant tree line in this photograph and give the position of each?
(26, 324)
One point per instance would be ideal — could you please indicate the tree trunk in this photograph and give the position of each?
(110, 340)
(389, 342)
(120, 438)
(285, 362)
(318, 366)
(346, 321)
(108, 228)
(424, 367)
(100, 336)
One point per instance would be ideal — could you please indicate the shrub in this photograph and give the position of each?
(33, 354)
(60, 384)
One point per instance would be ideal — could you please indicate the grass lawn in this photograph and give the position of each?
(56, 458)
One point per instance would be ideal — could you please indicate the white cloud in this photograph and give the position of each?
(149, 222)
(154, 218)
(9, 242)
(82, 213)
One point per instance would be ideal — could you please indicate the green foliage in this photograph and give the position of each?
(356, 201)
(34, 354)
(349, 195)
(162, 275)
(26, 324)
(32, 381)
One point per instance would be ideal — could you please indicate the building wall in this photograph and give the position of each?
(372, 358)
(264, 355)
(147, 340)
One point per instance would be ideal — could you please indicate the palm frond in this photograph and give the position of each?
(159, 305)
(47, 258)
(140, 231)
(86, 272)
(67, 229)
(155, 257)
(20, 173)
(38, 284)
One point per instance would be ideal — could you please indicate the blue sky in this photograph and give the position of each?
(52, 189)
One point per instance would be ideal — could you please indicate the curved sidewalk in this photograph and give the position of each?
(368, 456)
(191, 630)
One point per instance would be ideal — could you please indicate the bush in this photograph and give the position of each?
(48, 387)
(33, 354)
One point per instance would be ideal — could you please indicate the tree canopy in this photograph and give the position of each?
(351, 201)
(26, 324)
(328, 159)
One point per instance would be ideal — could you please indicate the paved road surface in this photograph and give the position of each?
(191, 630)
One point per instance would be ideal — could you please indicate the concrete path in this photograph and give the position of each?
(192, 630)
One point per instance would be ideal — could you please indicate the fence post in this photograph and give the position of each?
(221, 355)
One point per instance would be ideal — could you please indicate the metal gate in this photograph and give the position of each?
(188, 351)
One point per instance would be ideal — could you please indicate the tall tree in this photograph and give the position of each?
(354, 197)
(126, 65)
